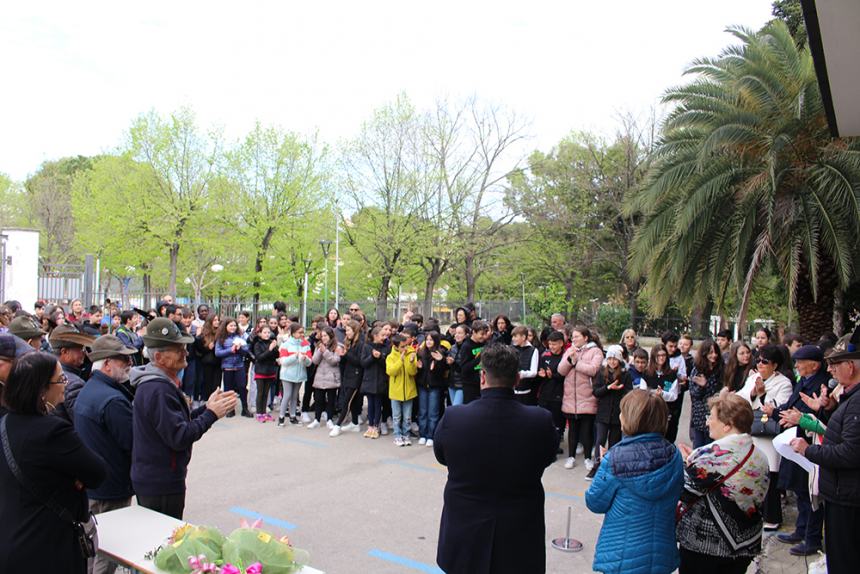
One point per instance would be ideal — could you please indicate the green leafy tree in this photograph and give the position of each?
(748, 179)
(791, 12)
(14, 207)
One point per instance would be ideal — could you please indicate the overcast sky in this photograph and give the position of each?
(75, 74)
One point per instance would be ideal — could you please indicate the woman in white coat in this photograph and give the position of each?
(766, 388)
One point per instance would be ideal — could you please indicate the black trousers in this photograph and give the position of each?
(606, 432)
(581, 430)
(237, 380)
(169, 504)
(350, 402)
(558, 421)
(841, 537)
(674, 418)
(325, 400)
(306, 397)
(263, 386)
(772, 503)
(471, 393)
(211, 379)
(695, 563)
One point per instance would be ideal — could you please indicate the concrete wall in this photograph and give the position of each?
(21, 266)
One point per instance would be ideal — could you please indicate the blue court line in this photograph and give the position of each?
(305, 441)
(407, 562)
(565, 496)
(405, 464)
(271, 520)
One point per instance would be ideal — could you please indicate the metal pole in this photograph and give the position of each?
(336, 259)
(305, 302)
(325, 298)
(523, 280)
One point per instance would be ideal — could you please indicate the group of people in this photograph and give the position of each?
(94, 416)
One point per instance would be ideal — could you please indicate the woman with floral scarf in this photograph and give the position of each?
(725, 483)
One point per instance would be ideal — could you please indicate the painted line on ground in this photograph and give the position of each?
(577, 496)
(413, 466)
(271, 520)
(305, 441)
(403, 561)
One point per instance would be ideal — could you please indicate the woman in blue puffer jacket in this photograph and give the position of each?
(638, 487)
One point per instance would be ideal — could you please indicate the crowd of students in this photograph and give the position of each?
(400, 376)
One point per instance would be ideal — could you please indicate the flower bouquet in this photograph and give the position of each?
(250, 545)
(188, 544)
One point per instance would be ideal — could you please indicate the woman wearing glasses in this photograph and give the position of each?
(767, 386)
(52, 462)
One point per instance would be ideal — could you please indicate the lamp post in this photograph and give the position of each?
(523, 281)
(336, 258)
(325, 245)
(307, 263)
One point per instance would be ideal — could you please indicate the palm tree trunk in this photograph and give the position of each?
(815, 315)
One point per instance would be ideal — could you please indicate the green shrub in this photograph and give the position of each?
(611, 321)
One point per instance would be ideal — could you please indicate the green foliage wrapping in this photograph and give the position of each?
(612, 320)
(173, 558)
(245, 546)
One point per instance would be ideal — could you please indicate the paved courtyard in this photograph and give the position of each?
(360, 505)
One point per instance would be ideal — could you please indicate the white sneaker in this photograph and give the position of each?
(330, 424)
(570, 462)
(398, 441)
(422, 441)
(348, 427)
(335, 431)
(383, 429)
(406, 441)
(306, 418)
(314, 424)
(324, 417)
(589, 464)
(429, 442)
(579, 449)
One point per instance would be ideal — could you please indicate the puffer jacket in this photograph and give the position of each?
(579, 398)
(351, 370)
(375, 380)
(637, 486)
(231, 360)
(294, 356)
(401, 375)
(328, 369)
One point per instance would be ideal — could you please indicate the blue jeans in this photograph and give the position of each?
(429, 405)
(699, 438)
(401, 411)
(374, 409)
(456, 395)
(808, 522)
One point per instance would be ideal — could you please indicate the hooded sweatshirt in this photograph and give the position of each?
(164, 429)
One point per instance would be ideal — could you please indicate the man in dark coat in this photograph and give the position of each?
(103, 420)
(68, 344)
(809, 362)
(165, 428)
(839, 459)
(496, 450)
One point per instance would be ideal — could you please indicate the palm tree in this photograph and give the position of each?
(747, 179)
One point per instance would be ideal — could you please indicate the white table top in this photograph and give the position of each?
(127, 534)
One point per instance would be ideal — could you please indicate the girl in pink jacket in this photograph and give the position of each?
(580, 363)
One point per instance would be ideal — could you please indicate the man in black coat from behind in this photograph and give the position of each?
(496, 450)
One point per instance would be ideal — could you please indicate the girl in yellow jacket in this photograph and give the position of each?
(401, 365)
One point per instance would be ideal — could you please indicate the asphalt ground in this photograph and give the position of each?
(366, 506)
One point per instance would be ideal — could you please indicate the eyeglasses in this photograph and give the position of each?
(354, 309)
(834, 362)
(63, 380)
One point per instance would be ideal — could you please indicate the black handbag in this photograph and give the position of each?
(85, 532)
(764, 425)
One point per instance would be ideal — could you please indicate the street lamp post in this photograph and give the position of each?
(325, 245)
(523, 281)
(307, 262)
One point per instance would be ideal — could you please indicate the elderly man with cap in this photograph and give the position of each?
(809, 363)
(839, 460)
(28, 330)
(103, 420)
(165, 428)
(68, 344)
(11, 347)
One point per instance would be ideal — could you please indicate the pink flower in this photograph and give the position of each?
(255, 568)
(230, 569)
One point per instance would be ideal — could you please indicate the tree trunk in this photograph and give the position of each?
(633, 301)
(382, 297)
(258, 266)
(471, 278)
(816, 316)
(838, 312)
(174, 259)
(433, 276)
